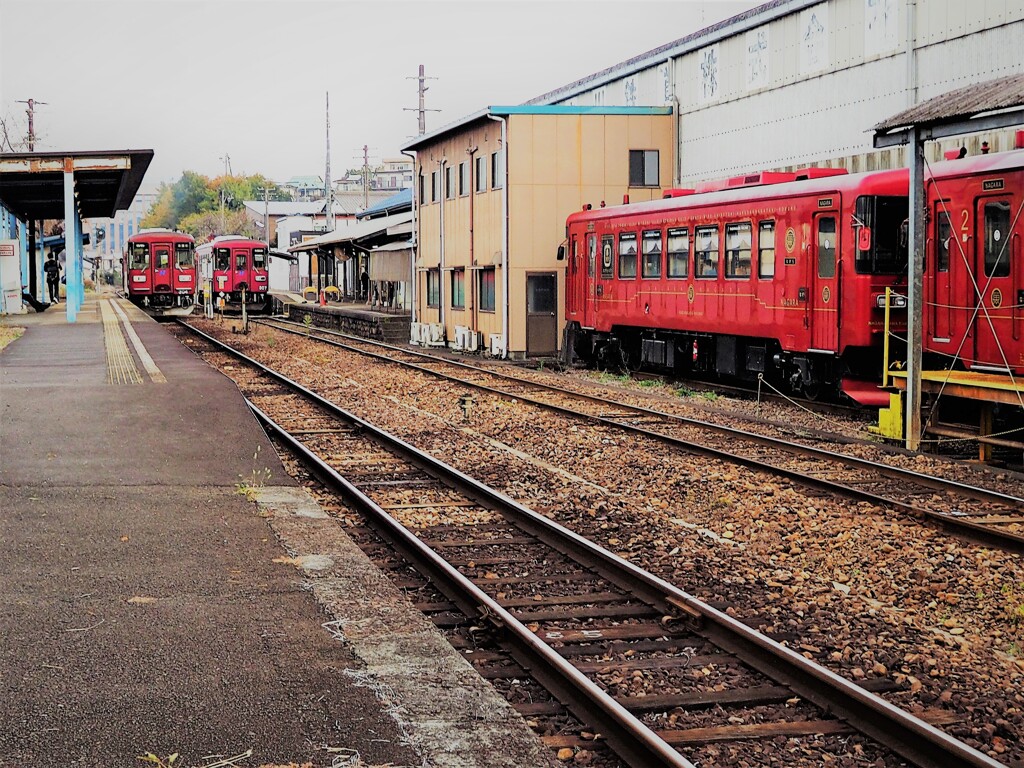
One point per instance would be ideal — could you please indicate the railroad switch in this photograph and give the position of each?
(466, 403)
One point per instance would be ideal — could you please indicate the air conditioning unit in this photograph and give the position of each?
(497, 345)
(434, 336)
(416, 333)
(461, 333)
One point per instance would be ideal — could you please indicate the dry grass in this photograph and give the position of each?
(9, 333)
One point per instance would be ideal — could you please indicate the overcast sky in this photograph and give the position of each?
(196, 81)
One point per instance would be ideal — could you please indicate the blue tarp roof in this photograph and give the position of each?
(398, 202)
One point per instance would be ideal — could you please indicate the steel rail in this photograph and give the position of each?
(977, 532)
(913, 739)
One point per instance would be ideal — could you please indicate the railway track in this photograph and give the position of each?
(983, 515)
(579, 620)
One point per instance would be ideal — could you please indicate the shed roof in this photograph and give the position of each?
(983, 106)
(32, 183)
(397, 202)
(353, 232)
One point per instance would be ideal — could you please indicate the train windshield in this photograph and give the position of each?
(139, 256)
(184, 256)
(259, 258)
(163, 257)
(881, 235)
(222, 258)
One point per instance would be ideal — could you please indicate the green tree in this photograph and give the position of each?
(185, 203)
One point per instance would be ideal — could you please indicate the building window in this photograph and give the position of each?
(737, 250)
(627, 255)
(464, 178)
(643, 168)
(435, 190)
(706, 252)
(449, 183)
(423, 190)
(481, 174)
(678, 250)
(458, 288)
(433, 288)
(766, 249)
(486, 302)
(497, 170)
(651, 267)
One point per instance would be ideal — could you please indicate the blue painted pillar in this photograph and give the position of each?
(71, 278)
(79, 259)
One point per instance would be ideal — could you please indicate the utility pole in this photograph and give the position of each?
(31, 112)
(266, 214)
(422, 110)
(366, 177)
(328, 192)
(227, 165)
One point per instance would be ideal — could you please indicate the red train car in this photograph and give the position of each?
(974, 264)
(784, 275)
(159, 268)
(236, 268)
(776, 274)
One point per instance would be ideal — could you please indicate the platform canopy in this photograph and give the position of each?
(985, 106)
(387, 225)
(32, 183)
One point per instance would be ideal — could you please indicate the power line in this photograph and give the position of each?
(421, 109)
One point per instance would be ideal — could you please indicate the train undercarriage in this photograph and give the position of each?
(722, 357)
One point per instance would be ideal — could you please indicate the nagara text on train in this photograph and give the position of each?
(784, 275)
(166, 274)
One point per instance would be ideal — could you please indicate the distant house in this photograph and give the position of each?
(393, 174)
(305, 188)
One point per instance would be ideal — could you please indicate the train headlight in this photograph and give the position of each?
(896, 301)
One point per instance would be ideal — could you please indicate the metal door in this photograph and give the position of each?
(541, 314)
(996, 264)
(590, 289)
(944, 251)
(824, 298)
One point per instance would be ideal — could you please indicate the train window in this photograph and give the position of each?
(827, 246)
(945, 234)
(706, 252)
(678, 249)
(886, 252)
(140, 256)
(627, 255)
(222, 259)
(162, 257)
(591, 254)
(737, 250)
(184, 256)
(607, 245)
(259, 258)
(766, 249)
(997, 238)
(651, 266)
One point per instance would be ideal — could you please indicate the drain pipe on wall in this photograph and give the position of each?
(504, 234)
(442, 188)
(471, 272)
(677, 127)
(413, 286)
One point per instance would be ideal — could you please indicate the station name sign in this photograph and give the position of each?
(991, 185)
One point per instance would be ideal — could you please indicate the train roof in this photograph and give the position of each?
(234, 240)
(161, 233)
(769, 186)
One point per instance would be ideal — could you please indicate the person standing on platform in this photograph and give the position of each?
(52, 269)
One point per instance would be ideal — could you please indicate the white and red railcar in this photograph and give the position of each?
(159, 269)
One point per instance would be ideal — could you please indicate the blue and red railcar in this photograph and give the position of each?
(159, 269)
(784, 275)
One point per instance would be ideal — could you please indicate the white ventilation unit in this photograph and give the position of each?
(434, 336)
(497, 345)
(416, 333)
(461, 333)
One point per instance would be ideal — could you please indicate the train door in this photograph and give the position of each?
(939, 287)
(589, 289)
(824, 301)
(241, 269)
(997, 264)
(162, 266)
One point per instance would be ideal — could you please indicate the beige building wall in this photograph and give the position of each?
(556, 164)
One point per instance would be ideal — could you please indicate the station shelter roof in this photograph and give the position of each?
(32, 183)
(396, 203)
(353, 232)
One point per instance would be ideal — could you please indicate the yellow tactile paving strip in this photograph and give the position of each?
(120, 365)
(155, 374)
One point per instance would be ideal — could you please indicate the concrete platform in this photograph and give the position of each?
(146, 605)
